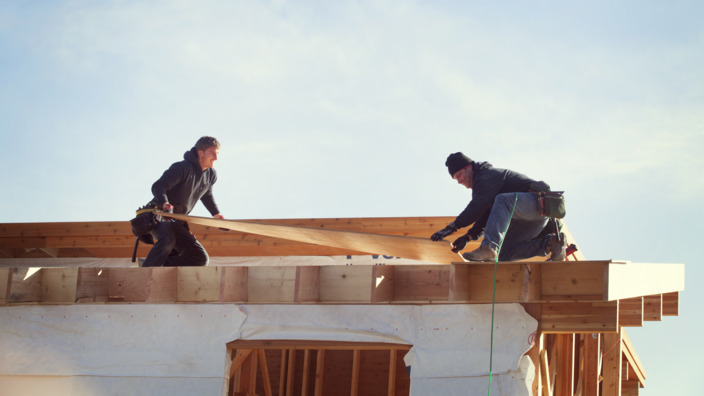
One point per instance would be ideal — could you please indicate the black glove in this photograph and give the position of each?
(445, 232)
(462, 241)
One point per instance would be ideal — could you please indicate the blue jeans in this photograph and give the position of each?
(526, 224)
(175, 247)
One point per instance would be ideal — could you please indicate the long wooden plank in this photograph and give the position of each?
(394, 245)
(406, 226)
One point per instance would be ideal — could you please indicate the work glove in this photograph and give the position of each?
(445, 232)
(459, 244)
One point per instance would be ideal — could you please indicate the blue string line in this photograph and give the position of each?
(493, 297)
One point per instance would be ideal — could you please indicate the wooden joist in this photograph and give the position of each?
(586, 310)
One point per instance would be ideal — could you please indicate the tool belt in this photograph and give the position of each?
(552, 204)
(144, 222)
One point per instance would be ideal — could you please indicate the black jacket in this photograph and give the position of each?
(184, 183)
(487, 183)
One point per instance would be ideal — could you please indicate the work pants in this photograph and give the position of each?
(175, 247)
(523, 227)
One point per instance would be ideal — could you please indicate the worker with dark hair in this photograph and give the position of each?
(500, 197)
(177, 191)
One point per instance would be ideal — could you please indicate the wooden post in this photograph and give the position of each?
(306, 370)
(265, 372)
(392, 372)
(612, 366)
(564, 384)
(354, 386)
(319, 372)
(591, 357)
(291, 375)
(282, 373)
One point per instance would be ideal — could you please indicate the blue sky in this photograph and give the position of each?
(349, 109)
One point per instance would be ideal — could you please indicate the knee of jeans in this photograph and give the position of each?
(505, 198)
(203, 259)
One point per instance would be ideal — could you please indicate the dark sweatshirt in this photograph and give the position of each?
(184, 183)
(487, 183)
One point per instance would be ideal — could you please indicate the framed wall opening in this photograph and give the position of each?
(316, 368)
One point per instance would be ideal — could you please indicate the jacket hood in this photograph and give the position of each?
(475, 166)
(192, 156)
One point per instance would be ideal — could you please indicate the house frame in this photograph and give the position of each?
(582, 307)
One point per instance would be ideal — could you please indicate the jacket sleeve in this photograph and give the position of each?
(168, 180)
(478, 227)
(484, 190)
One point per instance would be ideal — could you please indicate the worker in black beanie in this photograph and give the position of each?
(500, 197)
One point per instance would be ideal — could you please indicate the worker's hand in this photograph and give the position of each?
(219, 216)
(445, 232)
(168, 207)
(460, 243)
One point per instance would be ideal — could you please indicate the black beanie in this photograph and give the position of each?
(456, 162)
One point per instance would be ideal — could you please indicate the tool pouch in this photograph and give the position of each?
(144, 222)
(552, 204)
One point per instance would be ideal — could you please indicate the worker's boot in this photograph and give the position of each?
(483, 253)
(557, 248)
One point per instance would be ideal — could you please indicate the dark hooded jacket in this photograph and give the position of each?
(184, 183)
(487, 183)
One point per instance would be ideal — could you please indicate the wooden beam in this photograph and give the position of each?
(414, 283)
(671, 304)
(307, 286)
(630, 312)
(271, 284)
(152, 285)
(198, 284)
(382, 285)
(475, 282)
(652, 307)
(634, 363)
(574, 280)
(363, 284)
(628, 280)
(239, 359)
(579, 317)
(302, 345)
(234, 284)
